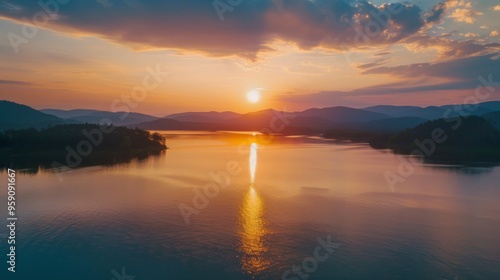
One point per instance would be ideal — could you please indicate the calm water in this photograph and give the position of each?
(100, 222)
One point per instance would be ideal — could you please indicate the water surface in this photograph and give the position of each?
(442, 222)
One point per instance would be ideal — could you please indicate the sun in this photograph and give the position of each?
(253, 96)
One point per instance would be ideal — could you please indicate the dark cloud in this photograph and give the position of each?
(247, 28)
(15, 83)
(377, 62)
(382, 53)
(436, 13)
(462, 69)
(458, 74)
(449, 48)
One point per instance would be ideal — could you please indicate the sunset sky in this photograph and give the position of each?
(296, 53)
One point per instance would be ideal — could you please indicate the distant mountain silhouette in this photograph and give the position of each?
(66, 114)
(243, 122)
(430, 113)
(392, 125)
(494, 117)
(366, 131)
(95, 116)
(436, 112)
(17, 116)
(311, 121)
(272, 121)
(341, 114)
(203, 116)
(491, 105)
(334, 122)
(392, 110)
(170, 124)
(257, 120)
(473, 110)
(266, 120)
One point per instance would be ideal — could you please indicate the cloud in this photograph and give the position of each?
(494, 33)
(309, 69)
(14, 83)
(9, 7)
(372, 95)
(496, 8)
(437, 12)
(246, 30)
(465, 15)
(458, 74)
(448, 48)
(376, 63)
(463, 69)
(382, 53)
(470, 34)
(462, 11)
(458, 3)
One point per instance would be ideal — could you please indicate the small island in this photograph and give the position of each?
(76, 145)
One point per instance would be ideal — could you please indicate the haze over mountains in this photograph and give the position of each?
(383, 118)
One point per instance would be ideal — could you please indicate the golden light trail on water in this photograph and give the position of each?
(253, 233)
(253, 161)
(253, 226)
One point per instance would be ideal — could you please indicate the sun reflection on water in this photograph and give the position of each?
(253, 230)
(253, 233)
(253, 161)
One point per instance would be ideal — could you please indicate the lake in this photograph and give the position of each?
(241, 206)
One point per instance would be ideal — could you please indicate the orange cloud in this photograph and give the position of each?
(465, 15)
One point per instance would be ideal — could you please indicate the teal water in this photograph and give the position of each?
(442, 222)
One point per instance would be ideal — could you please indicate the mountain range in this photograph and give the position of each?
(15, 116)
(382, 118)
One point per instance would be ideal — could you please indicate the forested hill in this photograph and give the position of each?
(463, 138)
(76, 144)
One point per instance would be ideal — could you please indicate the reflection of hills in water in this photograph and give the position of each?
(463, 169)
(31, 164)
(455, 166)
